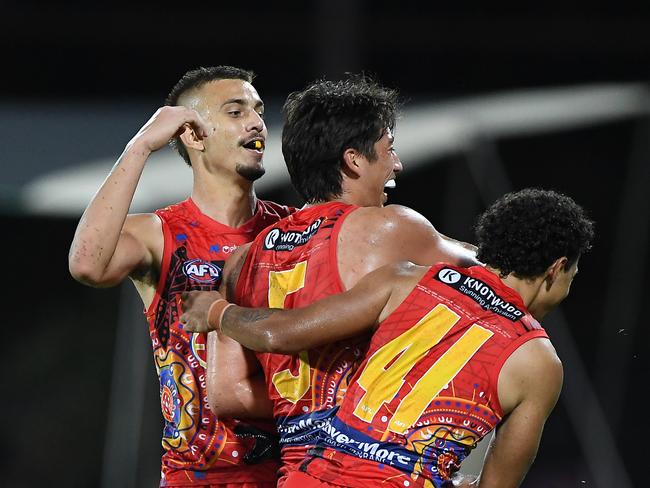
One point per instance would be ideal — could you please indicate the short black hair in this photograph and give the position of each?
(325, 119)
(194, 79)
(524, 232)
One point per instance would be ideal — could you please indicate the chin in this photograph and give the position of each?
(251, 173)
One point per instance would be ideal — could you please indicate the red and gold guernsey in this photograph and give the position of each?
(292, 264)
(426, 392)
(199, 448)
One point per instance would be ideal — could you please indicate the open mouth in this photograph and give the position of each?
(389, 185)
(255, 145)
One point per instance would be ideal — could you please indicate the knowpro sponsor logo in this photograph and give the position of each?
(201, 271)
(278, 240)
(480, 292)
(338, 435)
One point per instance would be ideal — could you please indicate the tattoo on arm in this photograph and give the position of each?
(233, 277)
(245, 315)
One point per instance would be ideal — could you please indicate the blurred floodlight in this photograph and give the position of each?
(424, 133)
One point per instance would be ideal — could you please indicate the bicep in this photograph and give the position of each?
(513, 448)
(527, 402)
(140, 240)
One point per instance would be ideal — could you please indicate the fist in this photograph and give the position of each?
(169, 122)
(195, 306)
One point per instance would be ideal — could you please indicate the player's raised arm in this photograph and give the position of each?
(108, 246)
(527, 403)
(334, 318)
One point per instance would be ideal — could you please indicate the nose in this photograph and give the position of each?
(255, 122)
(397, 164)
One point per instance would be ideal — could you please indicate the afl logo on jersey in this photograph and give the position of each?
(201, 271)
(449, 276)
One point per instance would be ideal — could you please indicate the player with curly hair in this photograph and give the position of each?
(455, 353)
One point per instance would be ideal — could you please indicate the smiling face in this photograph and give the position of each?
(235, 111)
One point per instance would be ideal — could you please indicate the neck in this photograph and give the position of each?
(230, 202)
(528, 289)
(347, 196)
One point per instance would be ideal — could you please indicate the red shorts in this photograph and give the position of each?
(298, 479)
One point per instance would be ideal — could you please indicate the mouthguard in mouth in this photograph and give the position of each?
(254, 145)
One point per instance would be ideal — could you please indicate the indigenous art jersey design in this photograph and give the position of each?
(292, 264)
(198, 447)
(426, 393)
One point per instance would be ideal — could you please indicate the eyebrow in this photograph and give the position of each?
(241, 101)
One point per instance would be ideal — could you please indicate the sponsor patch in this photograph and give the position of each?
(279, 240)
(299, 430)
(229, 249)
(340, 436)
(480, 292)
(201, 271)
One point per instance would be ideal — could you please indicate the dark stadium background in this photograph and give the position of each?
(60, 338)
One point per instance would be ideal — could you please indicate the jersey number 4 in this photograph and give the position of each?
(386, 370)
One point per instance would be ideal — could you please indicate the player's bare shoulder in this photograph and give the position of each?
(406, 271)
(371, 237)
(402, 213)
(388, 221)
(520, 375)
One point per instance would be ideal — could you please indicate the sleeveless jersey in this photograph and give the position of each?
(199, 448)
(292, 264)
(426, 393)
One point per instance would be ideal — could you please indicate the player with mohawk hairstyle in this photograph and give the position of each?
(214, 118)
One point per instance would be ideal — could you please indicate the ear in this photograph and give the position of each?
(190, 139)
(352, 162)
(554, 270)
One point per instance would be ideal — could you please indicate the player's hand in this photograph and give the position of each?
(464, 481)
(195, 306)
(169, 122)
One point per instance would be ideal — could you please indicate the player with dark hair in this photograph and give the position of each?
(328, 118)
(455, 353)
(338, 146)
(215, 119)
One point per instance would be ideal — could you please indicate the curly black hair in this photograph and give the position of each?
(194, 79)
(325, 119)
(524, 232)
